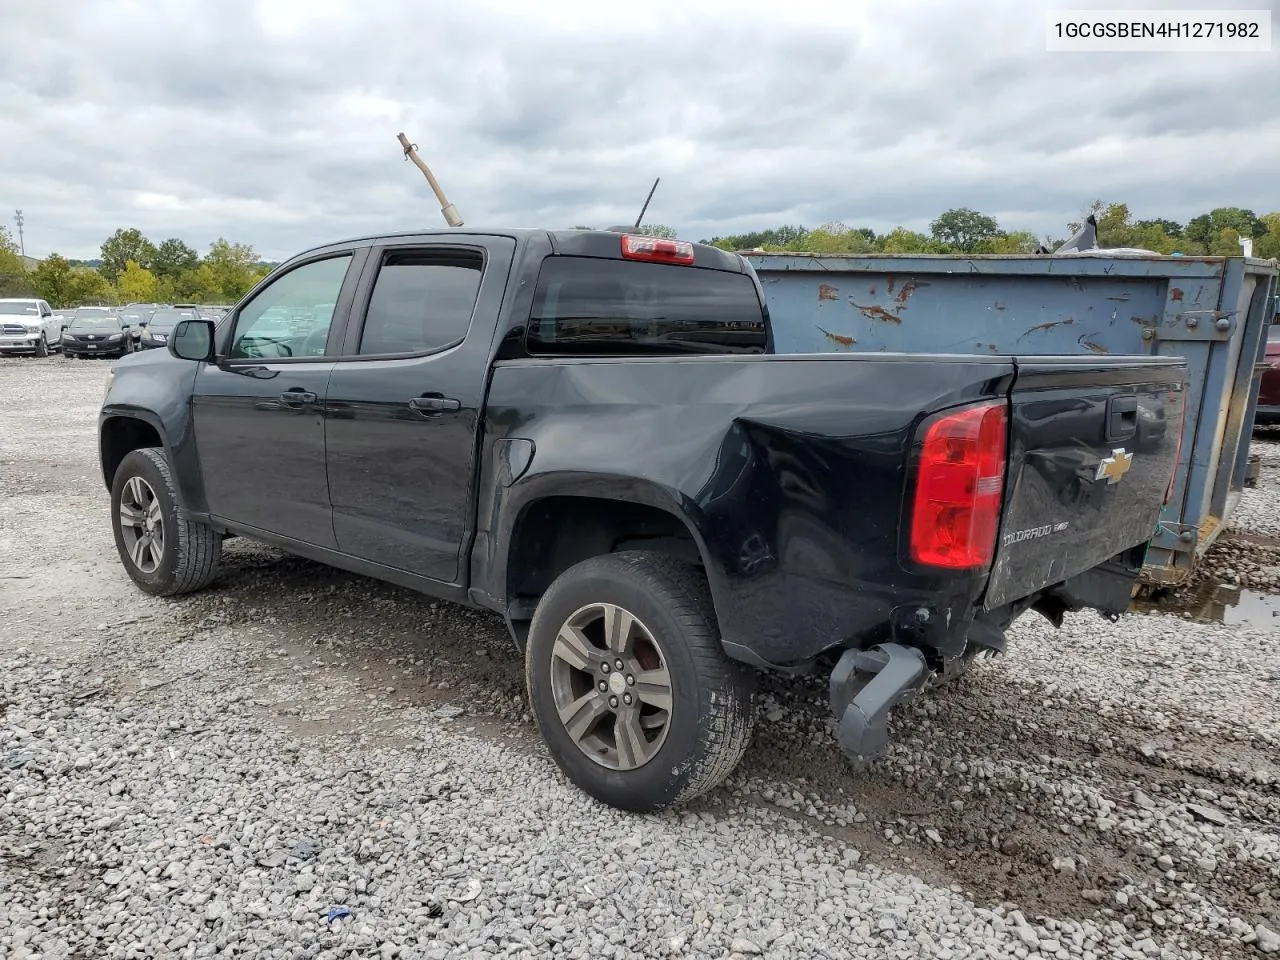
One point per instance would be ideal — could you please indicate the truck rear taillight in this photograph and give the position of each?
(656, 250)
(959, 484)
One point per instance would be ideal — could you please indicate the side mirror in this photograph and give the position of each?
(192, 340)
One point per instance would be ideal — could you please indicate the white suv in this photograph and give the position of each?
(28, 326)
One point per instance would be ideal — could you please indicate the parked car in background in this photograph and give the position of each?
(1269, 391)
(140, 314)
(162, 323)
(98, 332)
(28, 326)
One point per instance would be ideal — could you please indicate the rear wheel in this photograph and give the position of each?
(629, 685)
(162, 552)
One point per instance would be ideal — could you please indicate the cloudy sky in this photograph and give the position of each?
(274, 122)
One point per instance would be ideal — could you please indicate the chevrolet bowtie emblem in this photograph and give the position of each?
(1115, 466)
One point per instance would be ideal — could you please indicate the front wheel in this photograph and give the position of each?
(42, 348)
(629, 684)
(162, 552)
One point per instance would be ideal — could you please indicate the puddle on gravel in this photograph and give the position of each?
(1212, 602)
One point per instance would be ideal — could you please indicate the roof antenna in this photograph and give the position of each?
(451, 216)
(646, 202)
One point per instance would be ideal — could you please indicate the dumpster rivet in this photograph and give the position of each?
(1193, 322)
(1186, 536)
(1223, 324)
(1147, 333)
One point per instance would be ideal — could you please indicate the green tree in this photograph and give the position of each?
(136, 284)
(902, 240)
(89, 286)
(15, 281)
(200, 285)
(1200, 231)
(1170, 228)
(123, 246)
(1242, 221)
(1268, 245)
(173, 257)
(53, 281)
(657, 230)
(234, 267)
(832, 237)
(1019, 241)
(7, 243)
(963, 229)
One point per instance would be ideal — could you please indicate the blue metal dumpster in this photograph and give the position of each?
(1213, 311)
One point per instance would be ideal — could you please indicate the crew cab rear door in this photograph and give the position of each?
(1092, 446)
(405, 399)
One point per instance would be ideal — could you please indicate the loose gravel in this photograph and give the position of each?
(299, 762)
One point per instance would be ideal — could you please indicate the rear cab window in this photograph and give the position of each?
(588, 305)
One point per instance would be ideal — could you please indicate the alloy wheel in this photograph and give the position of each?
(612, 686)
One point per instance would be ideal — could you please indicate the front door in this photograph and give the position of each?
(405, 401)
(259, 414)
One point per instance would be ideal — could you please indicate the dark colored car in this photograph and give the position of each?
(98, 332)
(589, 433)
(1269, 390)
(160, 326)
(138, 314)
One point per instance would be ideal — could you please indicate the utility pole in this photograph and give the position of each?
(17, 218)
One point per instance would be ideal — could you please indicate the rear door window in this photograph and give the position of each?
(422, 301)
(585, 305)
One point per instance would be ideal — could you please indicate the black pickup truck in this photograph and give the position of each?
(589, 433)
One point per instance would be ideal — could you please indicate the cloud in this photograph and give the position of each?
(274, 122)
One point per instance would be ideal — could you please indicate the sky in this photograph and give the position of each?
(274, 123)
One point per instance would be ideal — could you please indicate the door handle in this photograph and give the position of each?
(434, 404)
(297, 397)
(1122, 418)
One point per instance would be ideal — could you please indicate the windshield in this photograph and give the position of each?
(163, 320)
(135, 316)
(96, 323)
(12, 308)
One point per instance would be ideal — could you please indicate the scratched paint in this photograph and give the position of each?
(1049, 326)
(1175, 294)
(839, 339)
(908, 289)
(874, 311)
(827, 292)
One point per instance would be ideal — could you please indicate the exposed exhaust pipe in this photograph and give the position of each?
(451, 216)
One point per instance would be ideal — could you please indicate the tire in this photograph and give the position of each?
(189, 552)
(711, 700)
(42, 348)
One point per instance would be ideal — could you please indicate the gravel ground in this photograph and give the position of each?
(303, 763)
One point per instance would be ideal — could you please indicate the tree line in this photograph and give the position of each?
(133, 269)
(965, 231)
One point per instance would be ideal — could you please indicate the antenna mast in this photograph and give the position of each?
(646, 202)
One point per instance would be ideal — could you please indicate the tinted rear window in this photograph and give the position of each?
(585, 305)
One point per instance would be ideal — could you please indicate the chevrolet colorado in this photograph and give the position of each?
(589, 433)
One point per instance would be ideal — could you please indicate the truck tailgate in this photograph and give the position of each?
(1092, 445)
